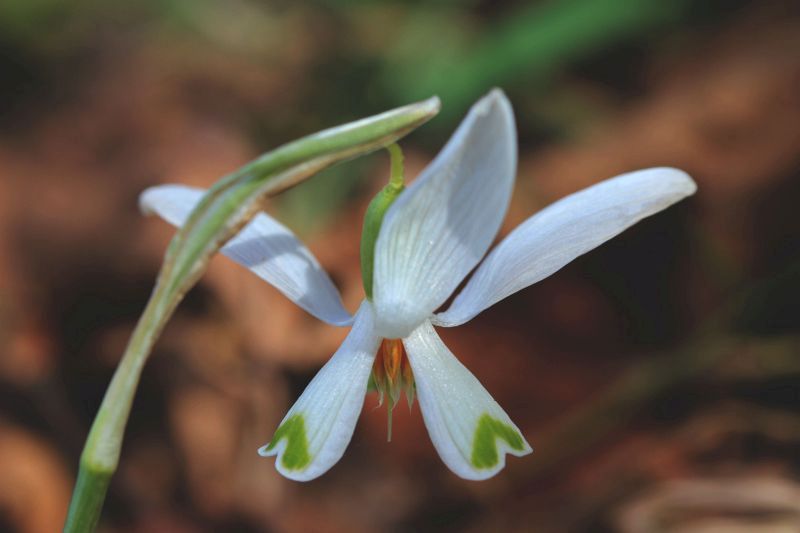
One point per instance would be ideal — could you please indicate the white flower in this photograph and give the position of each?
(431, 237)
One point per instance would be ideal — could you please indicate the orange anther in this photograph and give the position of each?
(392, 373)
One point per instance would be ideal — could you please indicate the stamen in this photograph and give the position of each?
(389, 423)
(392, 376)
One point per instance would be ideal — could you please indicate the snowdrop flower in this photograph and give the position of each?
(419, 244)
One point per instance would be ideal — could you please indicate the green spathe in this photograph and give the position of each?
(484, 447)
(295, 456)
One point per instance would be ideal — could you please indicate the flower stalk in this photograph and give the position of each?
(102, 449)
(222, 212)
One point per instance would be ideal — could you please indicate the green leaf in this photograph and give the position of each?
(522, 49)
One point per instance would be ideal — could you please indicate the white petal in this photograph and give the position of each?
(266, 247)
(564, 230)
(468, 428)
(438, 229)
(317, 429)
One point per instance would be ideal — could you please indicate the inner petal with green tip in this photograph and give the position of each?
(295, 455)
(487, 434)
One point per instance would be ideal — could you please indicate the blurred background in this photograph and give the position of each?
(657, 377)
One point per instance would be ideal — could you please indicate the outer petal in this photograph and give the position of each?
(564, 230)
(442, 225)
(317, 429)
(468, 428)
(267, 248)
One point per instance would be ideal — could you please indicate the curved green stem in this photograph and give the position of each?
(101, 452)
(222, 212)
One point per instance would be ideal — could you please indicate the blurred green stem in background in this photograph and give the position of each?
(530, 43)
(224, 210)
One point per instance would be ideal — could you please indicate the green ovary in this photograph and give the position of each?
(295, 455)
(374, 217)
(484, 446)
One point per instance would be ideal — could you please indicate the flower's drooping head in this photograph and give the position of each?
(418, 245)
(438, 229)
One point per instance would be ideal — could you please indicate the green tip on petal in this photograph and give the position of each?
(374, 216)
(484, 446)
(295, 456)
